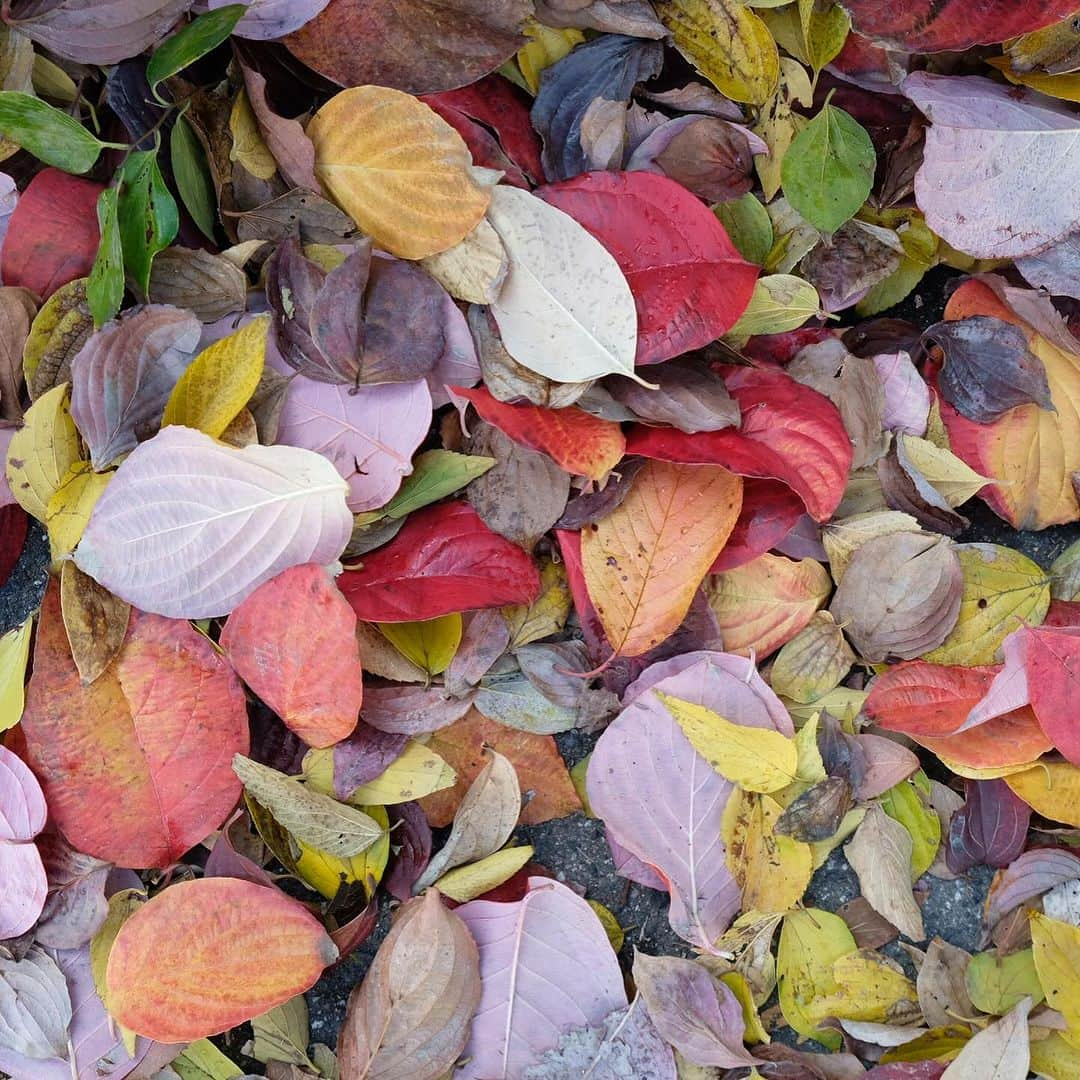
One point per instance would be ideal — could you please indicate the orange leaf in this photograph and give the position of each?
(137, 766)
(398, 169)
(1032, 453)
(579, 442)
(1013, 739)
(203, 956)
(645, 560)
(293, 641)
(766, 602)
(540, 769)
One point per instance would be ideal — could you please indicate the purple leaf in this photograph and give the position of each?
(369, 436)
(689, 397)
(546, 967)
(411, 845)
(364, 755)
(486, 638)
(662, 801)
(189, 527)
(266, 20)
(694, 1012)
(411, 710)
(122, 377)
(1000, 171)
(96, 31)
(990, 828)
(1028, 876)
(907, 397)
(76, 905)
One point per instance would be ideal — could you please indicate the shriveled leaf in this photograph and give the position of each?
(209, 286)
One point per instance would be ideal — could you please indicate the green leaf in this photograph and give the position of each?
(202, 1060)
(996, 983)
(779, 302)
(193, 177)
(749, 227)
(828, 170)
(903, 804)
(436, 474)
(105, 289)
(49, 134)
(149, 218)
(201, 36)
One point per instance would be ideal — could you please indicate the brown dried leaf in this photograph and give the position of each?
(317, 220)
(17, 310)
(95, 620)
(286, 139)
(942, 989)
(860, 398)
(409, 1019)
(209, 286)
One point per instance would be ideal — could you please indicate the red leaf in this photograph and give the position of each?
(445, 559)
(789, 432)
(579, 442)
(1052, 661)
(293, 641)
(689, 282)
(137, 766)
(53, 235)
(13, 527)
(1062, 613)
(769, 512)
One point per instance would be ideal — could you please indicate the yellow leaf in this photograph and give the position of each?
(764, 603)
(122, 905)
(14, 653)
(416, 772)
(545, 47)
(248, 147)
(71, 505)
(727, 43)
(811, 942)
(219, 382)
(326, 873)
(1003, 590)
(842, 703)
(57, 333)
(777, 123)
(430, 644)
(940, 1043)
(772, 871)
(757, 759)
(614, 931)
(868, 986)
(547, 614)
(1056, 949)
(42, 452)
(578, 776)
(1065, 86)
(400, 171)
(954, 480)
(971, 772)
(1050, 788)
(814, 661)
(1053, 1056)
(755, 1031)
(465, 883)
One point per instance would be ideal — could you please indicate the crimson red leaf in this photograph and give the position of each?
(581, 443)
(445, 559)
(52, 237)
(789, 432)
(690, 284)
(1052, 661)
(989, 828)
(13, 527)
(769, 512)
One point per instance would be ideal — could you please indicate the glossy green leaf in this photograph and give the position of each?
(105, 289)
(436, 474)
(201, 36)
(49, 134)
(147, 213)
(828, 170)
(193, 177)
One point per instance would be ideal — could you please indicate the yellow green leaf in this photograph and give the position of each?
(418, 771)
(430, 644)
(843, 703)
(1056, 950)
(122, 905)
(1055, 1057)
(940, 1043)
(755, 1031)
(42, 452)
(868, 986)
(547, 614)
(810, 769)
(578, 776)
(772, 871)
(1003, 590)
(996, 983)
(202, 1060)
(71, 505)
(468, 882)
(811, 35)
(920, 254)
(779, 302)
(757, 759)
(546, 46)
(814, 661)
(326, 873)
(220, 381)
(14, 653)
(811, 942)
(248, 147)
(727, 43)
(907, 804)
(614, 931)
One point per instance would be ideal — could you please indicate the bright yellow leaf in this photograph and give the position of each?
(1065, 86)
(755, 1031)
(71, 505)
(868, 986)
(1050, 788)
(416, 772)
(219, 382)
(14, 653)
(248, 147)
(430, 644)
(42, 452)
(1056, 949)
(546, 46)
(757, 759)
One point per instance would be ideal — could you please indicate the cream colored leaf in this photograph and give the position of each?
(954, 480)
(474, 269)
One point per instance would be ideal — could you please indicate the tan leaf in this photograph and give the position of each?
(95, 620)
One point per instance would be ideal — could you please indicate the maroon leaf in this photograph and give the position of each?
(412, 848)
(991, 827)
(14, 523)
(770, 510)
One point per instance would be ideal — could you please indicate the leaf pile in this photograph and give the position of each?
(424, 421)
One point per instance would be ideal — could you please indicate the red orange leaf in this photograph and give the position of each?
(789, 432)
(579, 442)
(445, 559)
(293, 641)
(203, 956)
(1052, 660)
(136, 767)
(645, 560)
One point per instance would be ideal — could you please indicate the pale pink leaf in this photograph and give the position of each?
(1029, 875)
(1008, 691)
(189, 527)
(76, 906)
(266, 20)
(907, 397)
(22, 805)
(25, 887)
(412, 710)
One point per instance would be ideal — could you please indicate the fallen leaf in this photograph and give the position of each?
(39, 1006)
(222, 968)
(96, 622)
(812, 662)
(22, 817)
(1002, 1046)
(990, 828)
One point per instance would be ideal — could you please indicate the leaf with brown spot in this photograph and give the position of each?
(96, 621)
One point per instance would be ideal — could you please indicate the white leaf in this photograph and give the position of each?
(565, 310)
(1000, 1051)
(35, 1007)
(189, 527)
